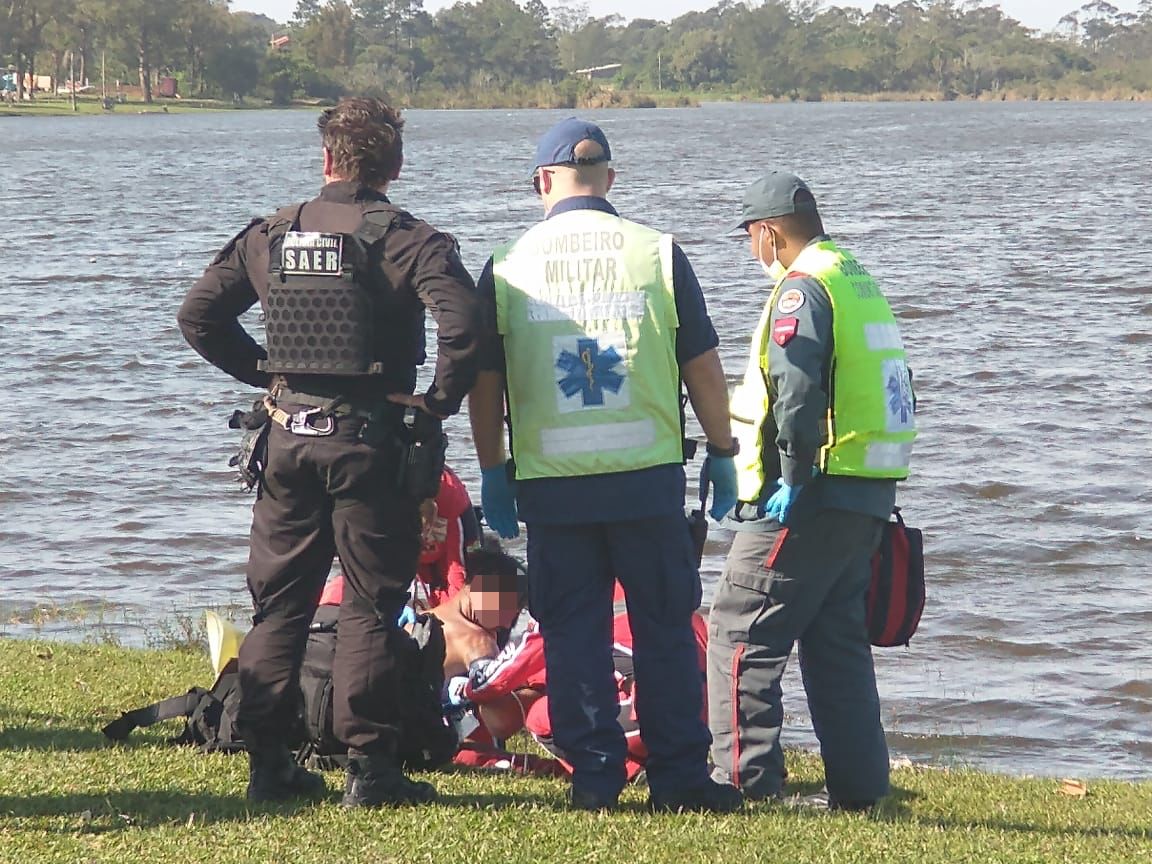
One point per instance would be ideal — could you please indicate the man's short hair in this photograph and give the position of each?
(499, 569)
(364, 138)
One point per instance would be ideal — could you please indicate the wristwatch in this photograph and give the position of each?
(723, 452)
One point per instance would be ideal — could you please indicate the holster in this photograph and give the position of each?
(423, 446)
(252, 456)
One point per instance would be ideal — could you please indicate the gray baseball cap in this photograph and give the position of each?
(771, 196)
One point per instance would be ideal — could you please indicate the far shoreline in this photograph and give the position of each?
(605, 99)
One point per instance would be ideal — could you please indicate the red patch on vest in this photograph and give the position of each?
(784, 329)
(796, 274)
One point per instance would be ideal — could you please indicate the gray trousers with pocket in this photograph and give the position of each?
(804, 584)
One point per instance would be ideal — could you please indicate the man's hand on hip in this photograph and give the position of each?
(417, 402)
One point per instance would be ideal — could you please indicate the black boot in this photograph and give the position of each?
(375, 780)
(708, 797)
(273, 775)
(585, 799)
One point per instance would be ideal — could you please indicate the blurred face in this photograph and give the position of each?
(493, 608)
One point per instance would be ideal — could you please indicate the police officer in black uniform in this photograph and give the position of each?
(344, 281)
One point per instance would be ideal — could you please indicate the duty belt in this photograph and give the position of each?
(318, 419)
(310, 422)
(331, 405)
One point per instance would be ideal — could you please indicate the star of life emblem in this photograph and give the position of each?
(590, 374)
(898, 401)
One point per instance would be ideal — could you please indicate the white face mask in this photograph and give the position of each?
(774, 271)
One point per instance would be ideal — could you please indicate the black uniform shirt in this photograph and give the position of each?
(430, 272)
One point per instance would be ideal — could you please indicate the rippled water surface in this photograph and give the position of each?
(1010, 239)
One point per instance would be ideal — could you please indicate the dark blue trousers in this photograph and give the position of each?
(572, 569)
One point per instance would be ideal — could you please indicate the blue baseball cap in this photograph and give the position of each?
(558, 144)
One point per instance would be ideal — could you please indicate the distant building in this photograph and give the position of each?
(40, 83)
(599, 73)
(279, 43)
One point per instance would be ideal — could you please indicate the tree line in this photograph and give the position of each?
(792, 49)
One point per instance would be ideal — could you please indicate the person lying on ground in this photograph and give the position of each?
(518, 672)
(489, 602)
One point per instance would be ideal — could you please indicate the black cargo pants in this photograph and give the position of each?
(319, 497)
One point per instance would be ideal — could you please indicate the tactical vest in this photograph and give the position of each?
(871, 420)
(323, 297)
(586, 307)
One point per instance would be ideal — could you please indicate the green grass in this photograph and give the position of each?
(67, 796)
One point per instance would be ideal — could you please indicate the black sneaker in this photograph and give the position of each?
(377, 781)
(584, 799)
(273, 775)
(708, 797)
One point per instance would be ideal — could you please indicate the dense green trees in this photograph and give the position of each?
(802, 49)
(217, 52)
(798, 49)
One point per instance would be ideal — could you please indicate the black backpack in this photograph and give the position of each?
(210, 715)
(426, 741)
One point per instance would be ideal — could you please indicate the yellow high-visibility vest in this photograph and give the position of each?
(871, 422)
(586, 306)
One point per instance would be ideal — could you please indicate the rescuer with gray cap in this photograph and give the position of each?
(593, 323)
(825, 417)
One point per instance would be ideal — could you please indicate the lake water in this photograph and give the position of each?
(1006, 237)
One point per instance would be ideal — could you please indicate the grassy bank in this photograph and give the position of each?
(579, 98)
(61, 106)
(544, 96)
(67, 796)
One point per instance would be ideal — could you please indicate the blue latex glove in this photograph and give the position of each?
(454, 692)
(721, 474)
(407, 616)
(498, 498)
(781, 502)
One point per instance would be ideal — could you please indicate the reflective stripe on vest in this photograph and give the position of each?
(586, 307)
(871, 424)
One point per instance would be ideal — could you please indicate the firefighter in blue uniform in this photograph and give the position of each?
(593, 322)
